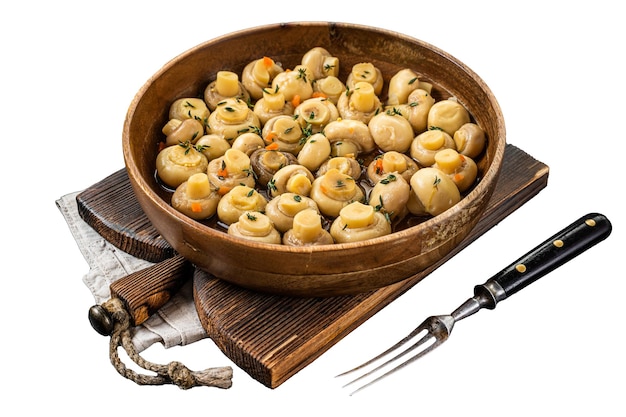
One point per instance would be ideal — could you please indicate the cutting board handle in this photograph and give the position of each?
(136, 297)
(143, 292)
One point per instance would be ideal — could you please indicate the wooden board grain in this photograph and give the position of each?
(110, 207)
(273, 337)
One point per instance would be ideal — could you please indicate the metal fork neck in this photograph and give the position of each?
(486, 295)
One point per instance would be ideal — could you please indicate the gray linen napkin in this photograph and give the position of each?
(176, 323)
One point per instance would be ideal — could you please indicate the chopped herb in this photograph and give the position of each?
(412, 80)
(302, 74)
(307, 131)
(394, 112)
(436, 182)
(251, 217)
(186, 145)
(271, 185)
(434, 128)
(297, 198)
(250, 193)
(250, 172)
(380, 206)
(188, 104)
(390, 178)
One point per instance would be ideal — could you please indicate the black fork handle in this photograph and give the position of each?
(549, 255)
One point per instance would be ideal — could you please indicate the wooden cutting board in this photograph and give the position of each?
(273, 337)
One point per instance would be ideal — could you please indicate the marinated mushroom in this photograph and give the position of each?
(433, 192)
(391, 131)
(255, 226)
(258, 75)
(390, 196)
(314, 152)
(389, 162)
(416, 110)
(401, 84)
(266, 163)
(294, 84)
(231, 118)
(346, 165)
(448, 115)
(307, 230)
(349, 137)
(368, 73)
(238, 201)
(226, 85)
(330, 87)
(283, 133)
(190, 108)
(427, 144)
(315, 113)
(180, 131)
(470, 140)
(282, 209)
(212, 146)
(272, 104)
(358, 222)
(334, 190)
(359, 103)
(196, 198)
(321, 63)
(175, 164)
(230, 170)
(291, 179)
(461, 169)
(248, 142)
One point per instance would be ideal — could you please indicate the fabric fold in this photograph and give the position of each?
(175, 324)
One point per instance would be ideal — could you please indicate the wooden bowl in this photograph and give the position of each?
(329, 270)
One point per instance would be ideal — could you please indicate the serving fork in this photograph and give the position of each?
(547, 256)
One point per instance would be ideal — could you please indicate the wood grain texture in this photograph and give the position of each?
(111, 208)
(145, 292)
(272, 337)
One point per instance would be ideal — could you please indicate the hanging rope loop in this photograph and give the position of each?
(174, 373)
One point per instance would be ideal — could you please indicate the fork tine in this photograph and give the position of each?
(400, 366)
(411, 348)
(403, 341)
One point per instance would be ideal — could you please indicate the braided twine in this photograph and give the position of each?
(173, 373)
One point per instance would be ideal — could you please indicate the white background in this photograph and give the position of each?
(69, 72)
